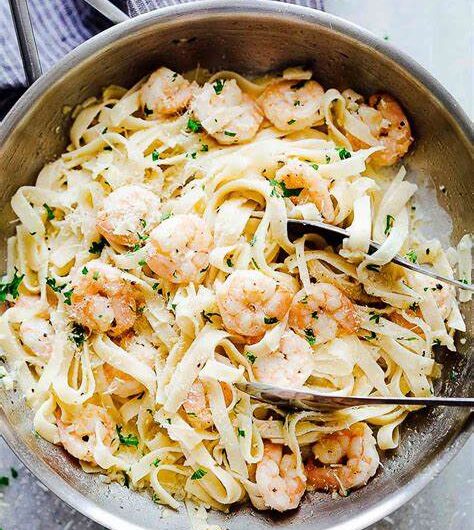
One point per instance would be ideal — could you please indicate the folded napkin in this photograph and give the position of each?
(60, 26)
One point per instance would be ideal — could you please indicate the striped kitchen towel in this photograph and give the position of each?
(60, 26)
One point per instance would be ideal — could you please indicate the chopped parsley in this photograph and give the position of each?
(49, 211)
(218, 86)
(464, 281)
(255, 264)
(412, 256)
(297, 103)
(270, 320)
(414, 306)
(156, 462)
(290, 122)
(85, 270)
(155, 286)
(78, 334)
(194, 125)
(253, 241)
(142, 262)
(372, 335)
(374, 317)
(388, 224)
(315, 166)
(204, 148)
(240, 432)
(166, 216)
(67, 296)
(314, 315)
(95, 275)
(147, 111)
(155, 155)
(130, 440)
(4, 481)
(279, 189)
(11, 287)
(343, 153)
(251, 357)
(198, 474)
(229, 133)
(328, 159)
(453, 376)
(229, 262)
(51, 282)
(98, 246)
(436, 342)
(14, 472)
(309, 336)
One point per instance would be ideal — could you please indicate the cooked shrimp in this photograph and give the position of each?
(290, 366)
(120, 383)
(226, 113)
(178, 248)
(78, 435)
(250, 302)
(36, 331)
(126, 214)
(297, 175)
(387, 123)
(278, 480)
(292, 105)
(36, 334)
(322, 313)
(165, 93)
(197, 408)
(349, 459)
(102, 300)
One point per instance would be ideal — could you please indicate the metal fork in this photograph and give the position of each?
(316, 401)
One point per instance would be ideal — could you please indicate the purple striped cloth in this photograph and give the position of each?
(60, 26)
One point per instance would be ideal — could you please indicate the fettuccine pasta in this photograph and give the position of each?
(152, 269)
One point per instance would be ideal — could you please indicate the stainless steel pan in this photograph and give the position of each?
(252, 36)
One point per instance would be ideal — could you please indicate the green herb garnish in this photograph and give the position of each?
(343, 153)
(412, 256)
(240, 432)
(49, 212)
(198, 474)
(155, 155)
(218, 86)
(98, 246)
(251, 357)
(78, 334)
(194, 125)
(229, 133)
(388, 224)
(130, 440)
(309, 336)
(11, 287)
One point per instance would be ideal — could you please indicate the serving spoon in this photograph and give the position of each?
(316, 401)
(335, 235)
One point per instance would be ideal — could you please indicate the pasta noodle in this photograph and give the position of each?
(152, 269)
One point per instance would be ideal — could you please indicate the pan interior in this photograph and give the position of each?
(248, 40)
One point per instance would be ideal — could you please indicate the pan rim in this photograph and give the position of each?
(446, 101)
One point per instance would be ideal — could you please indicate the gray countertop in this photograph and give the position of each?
(439, 35)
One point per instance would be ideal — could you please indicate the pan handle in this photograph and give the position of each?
(26, 37)
(26, 40)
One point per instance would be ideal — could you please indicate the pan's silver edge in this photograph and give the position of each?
(256, 7)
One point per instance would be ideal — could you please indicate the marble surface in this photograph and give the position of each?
(439, 35)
